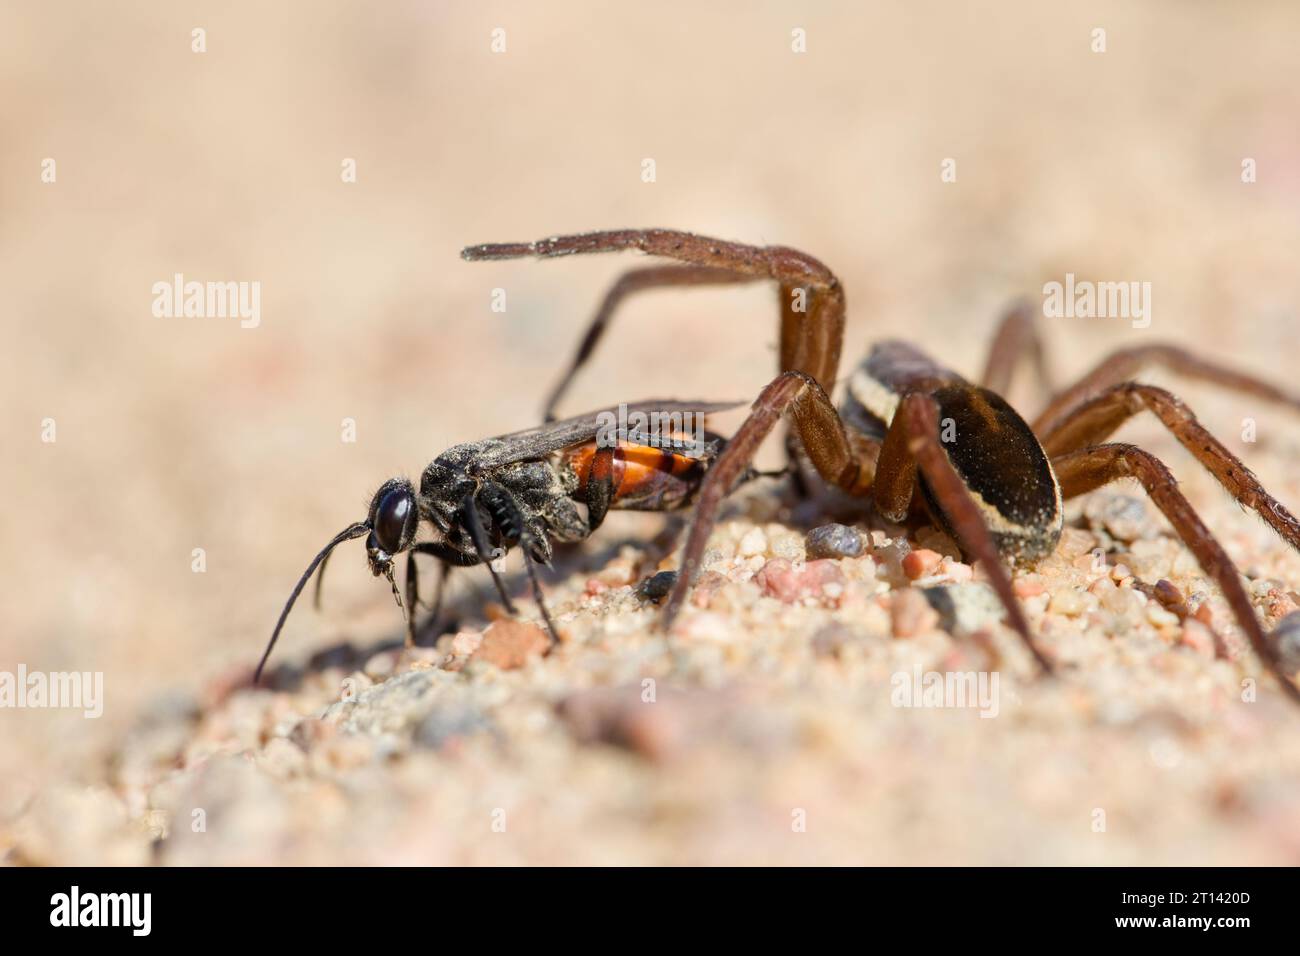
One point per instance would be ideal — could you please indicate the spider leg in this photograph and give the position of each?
(1086, 469)
(1097, 419)
(911, 444)
(632, 281)
(837, 459)
(1124, 364)
(1017, 335)
(812, 299)
(435, 609)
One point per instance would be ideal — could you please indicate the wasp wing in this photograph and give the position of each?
(545, 439)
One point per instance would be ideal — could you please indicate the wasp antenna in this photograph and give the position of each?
(347, 534)
(320, 581)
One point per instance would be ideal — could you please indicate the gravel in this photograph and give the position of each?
(777, 697)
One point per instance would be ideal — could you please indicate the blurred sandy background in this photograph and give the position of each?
(175, 434)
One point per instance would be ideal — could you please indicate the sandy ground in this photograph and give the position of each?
(772, 735)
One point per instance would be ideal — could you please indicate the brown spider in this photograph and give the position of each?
(913, 436)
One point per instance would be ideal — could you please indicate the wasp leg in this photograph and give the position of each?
(510, 517)
(600, 486)
(413, 583)
(478, 535)
(1086, 469)
(1123, 365)
(412, 597)
(540, 598)
(1097, 419)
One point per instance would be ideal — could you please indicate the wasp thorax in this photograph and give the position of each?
(443, 489)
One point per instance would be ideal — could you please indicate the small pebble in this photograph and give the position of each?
(355, 683)
(1167, 593)
(784, 543)
(344, 752)
(708, 627)
(281, 758)
(935, 540)
(380, 666)
(831, 639)
(1088, 562)
(464, 643)
(1067, 601)
(921, 562)
(956, 571)
(456, 649)
(910, 613)
(446, 724)
(1159, 617)
(312, 731)
(1123, 602)
(1204, 614)
(1102, 586)
(510, 644)
(752, 544)
(1285, 639)
(1280, 604)
(1261, 587)
(618, 573)
(1076, 542)
(706, 588)
(419, 658)
(1124, 516)
(656, 729)
(1027, 587)
(778, 578)
(965, 608)
(833, 541)
(1198, 638)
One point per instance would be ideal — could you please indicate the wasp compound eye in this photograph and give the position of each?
(391, 518)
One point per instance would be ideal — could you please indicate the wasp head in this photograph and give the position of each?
(392, 522)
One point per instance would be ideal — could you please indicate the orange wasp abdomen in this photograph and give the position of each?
(644, 478)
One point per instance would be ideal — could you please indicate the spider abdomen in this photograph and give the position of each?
(1004, 468)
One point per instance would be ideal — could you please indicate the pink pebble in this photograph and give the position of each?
(779, 579)
(921, 562)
